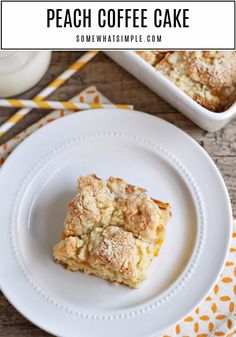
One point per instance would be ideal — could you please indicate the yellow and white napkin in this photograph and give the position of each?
(216, 315)
(90, 95)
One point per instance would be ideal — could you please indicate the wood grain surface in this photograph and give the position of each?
(120, 87)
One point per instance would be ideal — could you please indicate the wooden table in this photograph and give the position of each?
(120, 87)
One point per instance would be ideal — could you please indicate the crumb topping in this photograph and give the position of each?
(113, 230)
(209, 77)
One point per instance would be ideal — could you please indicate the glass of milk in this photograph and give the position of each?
(21, 70)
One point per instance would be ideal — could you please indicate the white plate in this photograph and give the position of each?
(38, 180)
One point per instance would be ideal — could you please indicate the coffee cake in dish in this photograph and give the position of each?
(112, 230)
(152, 57)
(209, 77)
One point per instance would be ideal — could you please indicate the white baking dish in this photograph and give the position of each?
(207, 120)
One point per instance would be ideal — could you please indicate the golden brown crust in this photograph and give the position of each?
(148, 56)
(209, 77)
(111, 253)
(114, 248)
(91, 207)
(112, 230)
(101, 203)
(161, 204)
(153, 57)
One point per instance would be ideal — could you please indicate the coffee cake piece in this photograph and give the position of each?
(112, 230)
(110, 253)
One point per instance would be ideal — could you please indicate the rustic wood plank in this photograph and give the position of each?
(120, 87)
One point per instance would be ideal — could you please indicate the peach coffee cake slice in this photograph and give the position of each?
(112, 230)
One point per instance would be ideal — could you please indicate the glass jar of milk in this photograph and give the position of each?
(21, 70)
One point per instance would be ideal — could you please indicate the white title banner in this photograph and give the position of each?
(117, 25)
